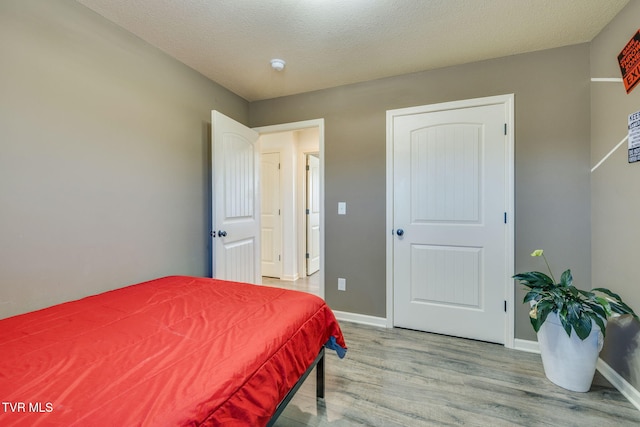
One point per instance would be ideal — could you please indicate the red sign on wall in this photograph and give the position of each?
(629, 60)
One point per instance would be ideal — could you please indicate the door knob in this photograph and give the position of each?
(399, 232)
(222, 233)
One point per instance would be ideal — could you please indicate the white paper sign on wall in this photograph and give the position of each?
(634, 137)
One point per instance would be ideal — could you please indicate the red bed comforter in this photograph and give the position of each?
(172, 351)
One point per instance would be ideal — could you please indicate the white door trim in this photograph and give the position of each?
(509, 291)
(305, 124)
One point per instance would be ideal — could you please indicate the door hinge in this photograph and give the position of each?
(505, 306)
(279, 258)
(307, 167)
(306, 211)
(505, 217)
(278, 166)
(306, 255)
(505, 128)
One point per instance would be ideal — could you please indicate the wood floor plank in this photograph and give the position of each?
(398, 377)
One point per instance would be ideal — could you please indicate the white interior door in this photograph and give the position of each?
(271, 215)
(236, 200)
(450, 249)
(313, 214)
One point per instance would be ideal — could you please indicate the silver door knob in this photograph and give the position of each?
(222, 233)
(399, 232)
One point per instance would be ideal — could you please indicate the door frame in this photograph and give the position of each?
(306, 124)
(509, 288)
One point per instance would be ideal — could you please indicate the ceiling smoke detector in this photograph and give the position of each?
(278, 64)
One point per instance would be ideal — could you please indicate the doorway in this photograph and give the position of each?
(294, 143)
(450, 212)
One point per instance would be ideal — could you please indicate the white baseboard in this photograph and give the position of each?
(626, 389)
(360, 318)
(620, 383)
(526, 345)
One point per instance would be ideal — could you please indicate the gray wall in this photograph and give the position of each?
(104, 170)
(552, 116)
(615, 201)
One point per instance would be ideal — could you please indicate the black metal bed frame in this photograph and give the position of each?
(318, 363)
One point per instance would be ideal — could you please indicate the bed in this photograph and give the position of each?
(172, 351)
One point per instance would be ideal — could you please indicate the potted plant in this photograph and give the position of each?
(570, 324)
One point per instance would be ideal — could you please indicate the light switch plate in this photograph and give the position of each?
(342, 208)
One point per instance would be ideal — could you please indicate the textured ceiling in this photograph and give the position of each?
(329, 43)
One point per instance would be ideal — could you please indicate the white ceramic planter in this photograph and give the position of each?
(568, 361)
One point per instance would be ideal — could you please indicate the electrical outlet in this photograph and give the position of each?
(342, 284)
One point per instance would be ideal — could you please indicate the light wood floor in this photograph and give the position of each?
(310, 284)
(397, 377)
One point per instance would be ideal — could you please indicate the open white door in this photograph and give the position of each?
(313, 214)
(236, 200)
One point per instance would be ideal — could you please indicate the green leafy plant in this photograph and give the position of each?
(575, 308)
